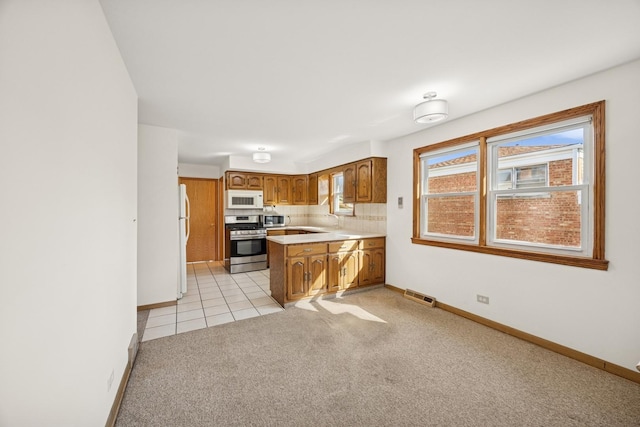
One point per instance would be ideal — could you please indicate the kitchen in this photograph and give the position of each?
(244, 223)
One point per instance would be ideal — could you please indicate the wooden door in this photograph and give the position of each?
(349, 269)
(317, 267)
(334, 274)
(364, 278)
(349, 176)
(364, 184)
(236, 181)
(284, 190)
(270, 190)
(296, 278)
(254, 182)
(377, 267)
(203, 243)
(312, 194)
(323, 189)
(299, 189)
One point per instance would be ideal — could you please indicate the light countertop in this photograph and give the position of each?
(320, 234)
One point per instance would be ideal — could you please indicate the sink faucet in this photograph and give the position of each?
(337, 219)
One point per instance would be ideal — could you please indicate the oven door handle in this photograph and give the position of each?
(254, 237)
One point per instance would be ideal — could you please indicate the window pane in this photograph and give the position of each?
(339, 206)
(452, 172)
(504, 179)
(554, 220)
(531, 176)
(549, 160)
(451, 215)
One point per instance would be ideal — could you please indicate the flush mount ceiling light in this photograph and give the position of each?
(431, 110)
(261, 156)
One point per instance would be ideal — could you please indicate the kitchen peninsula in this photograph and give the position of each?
(320, 262)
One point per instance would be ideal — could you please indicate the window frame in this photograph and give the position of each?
(334, 205)
(424, 218)
(594, 260)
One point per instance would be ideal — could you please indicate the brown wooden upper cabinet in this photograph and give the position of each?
(277, 190)
(349, 177)
(312, 194)
(299, 189)
(365, 181)
(371, 180)
(243, 181)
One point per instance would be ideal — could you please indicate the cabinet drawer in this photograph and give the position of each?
(372, 243)
(275, 232)
(343, 246)
(302, 250)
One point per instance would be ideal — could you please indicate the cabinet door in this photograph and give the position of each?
(236, 181)
(334, 273)
(349, 174)
(364, 184)
(312, 189)
(269, 194)
(323, 189)
(349, 270)
(317, 274)
(296, 278)
(372, 267)
(299, 190)
(364, 278)
(284, 190)
(377, 265)
(254, 182)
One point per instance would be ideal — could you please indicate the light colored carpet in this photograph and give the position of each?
(368, 359)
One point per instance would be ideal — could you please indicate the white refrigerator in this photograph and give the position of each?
(183, 220)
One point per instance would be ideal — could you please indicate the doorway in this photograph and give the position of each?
(204, 237)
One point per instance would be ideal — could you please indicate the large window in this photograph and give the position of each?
(533, 190)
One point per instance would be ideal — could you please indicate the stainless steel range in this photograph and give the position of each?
(246, 243)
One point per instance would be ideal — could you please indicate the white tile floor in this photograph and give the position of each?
(213, 297)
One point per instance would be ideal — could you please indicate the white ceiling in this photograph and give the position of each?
(304, 77)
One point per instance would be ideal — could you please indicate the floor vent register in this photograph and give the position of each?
(421, 298)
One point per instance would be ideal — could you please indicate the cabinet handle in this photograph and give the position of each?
(307, 250)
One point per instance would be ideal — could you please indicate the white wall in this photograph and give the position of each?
(591, 311)
(346, 154)
(190, 170)
(68, 115)
(157, 215)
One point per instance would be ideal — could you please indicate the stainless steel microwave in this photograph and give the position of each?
(273, 220)
(244, 199)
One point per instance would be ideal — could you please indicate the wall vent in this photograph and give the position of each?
(421, 298)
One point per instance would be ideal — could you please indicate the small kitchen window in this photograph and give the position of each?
(338, 206)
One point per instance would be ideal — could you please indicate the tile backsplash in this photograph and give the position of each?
(369, 217)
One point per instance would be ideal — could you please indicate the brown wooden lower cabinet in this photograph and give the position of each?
(343, 265)
(306, 276)
(371, 261)
(371, 266)
(306, 270)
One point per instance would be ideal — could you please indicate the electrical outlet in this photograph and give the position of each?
(482, 299)
(110, 381)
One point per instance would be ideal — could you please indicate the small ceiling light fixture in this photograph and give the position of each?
(261, 156)
(431, 110)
